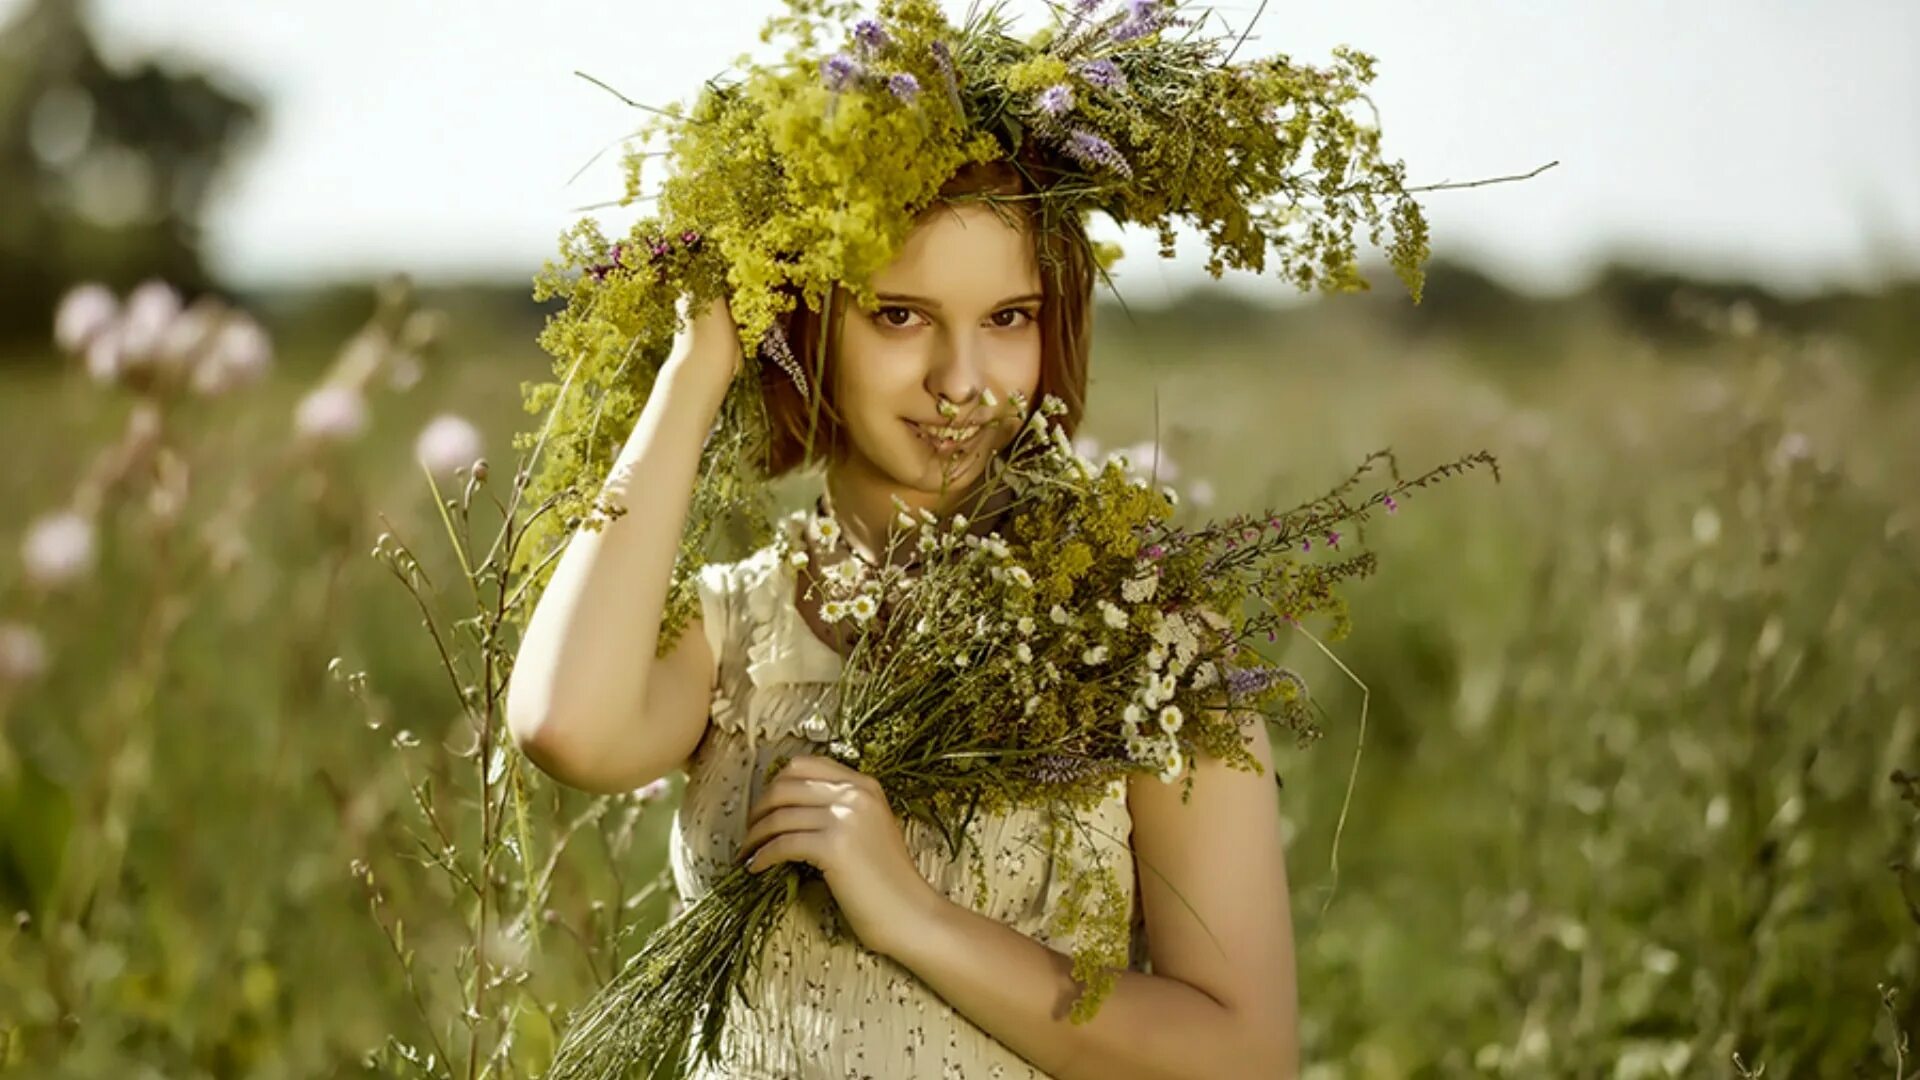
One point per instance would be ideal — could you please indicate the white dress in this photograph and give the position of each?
(826, 1007)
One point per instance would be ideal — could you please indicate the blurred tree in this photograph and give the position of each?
(105, 172)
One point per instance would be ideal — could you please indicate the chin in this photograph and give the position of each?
(924, 469)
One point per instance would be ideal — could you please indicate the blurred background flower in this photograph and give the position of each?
(446, 444)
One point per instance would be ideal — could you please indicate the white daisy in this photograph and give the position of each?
(833, 611)
(1025, 625)
(864, 607)
(1094, 655)
(1156, 657)
(1134, 715)
(1059, 615)
(797, 558)
(1170, 719)
(1020, 577)
(1142, 750)
(1024, 652)
(1204, 675)
(1139, 590)
(1113, 615)
(1172, 762)
(847, 572)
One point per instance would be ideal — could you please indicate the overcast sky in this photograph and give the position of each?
(1774, 137)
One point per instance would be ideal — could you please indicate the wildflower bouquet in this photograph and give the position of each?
(1083, 639)
(803, 176)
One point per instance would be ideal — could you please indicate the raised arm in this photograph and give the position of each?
(588, 703)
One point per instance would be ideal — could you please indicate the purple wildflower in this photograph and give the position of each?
(1055, 99)
(944, 60)
(1333, 539)
(1143, 17)
(599, 271)
(774, 344)
(1392, 507)
(1103, 73)
(840, 71)
(690, 240)
(1086, 7)
(1092, 150)
(904, 86)
(871, 35)
(1249, 681)
(1306, 543)
(1155, 551)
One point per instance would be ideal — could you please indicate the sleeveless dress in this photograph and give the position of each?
(825, 1006)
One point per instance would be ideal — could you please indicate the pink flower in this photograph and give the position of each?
(103, 354)
(331, 414)
(239, 355)
(446, 444)
(151, 308)
(83, 313)
(184, 340)
(58, 549)
(23, 654)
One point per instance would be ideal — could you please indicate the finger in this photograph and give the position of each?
(785, 820)
(803, 847)
(814, 766)
(795, 792)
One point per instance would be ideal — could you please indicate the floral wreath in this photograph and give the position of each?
(801, 176)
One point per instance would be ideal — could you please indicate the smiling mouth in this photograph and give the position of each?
(946, 438)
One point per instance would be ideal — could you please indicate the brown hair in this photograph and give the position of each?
(1065, 256)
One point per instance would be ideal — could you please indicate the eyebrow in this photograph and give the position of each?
(927, 301)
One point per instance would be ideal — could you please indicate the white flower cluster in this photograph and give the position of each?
(1140, 588)
(1176, 645)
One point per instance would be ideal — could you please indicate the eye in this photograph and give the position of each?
(1023, 312)
(883, 317)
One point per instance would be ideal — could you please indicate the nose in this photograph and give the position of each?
(957, 373)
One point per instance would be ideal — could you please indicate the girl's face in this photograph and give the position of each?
(958, 315)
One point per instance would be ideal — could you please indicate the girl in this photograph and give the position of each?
(917, 968)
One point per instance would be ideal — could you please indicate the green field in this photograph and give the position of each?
(1623, 806)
